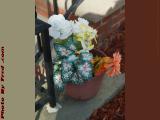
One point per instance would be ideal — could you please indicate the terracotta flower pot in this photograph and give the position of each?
(88, 89)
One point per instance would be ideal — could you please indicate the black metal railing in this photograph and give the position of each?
(43, 42)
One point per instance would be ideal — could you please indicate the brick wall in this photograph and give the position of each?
(42, 7)
(108, 25)
(105, 26)
(45, 8)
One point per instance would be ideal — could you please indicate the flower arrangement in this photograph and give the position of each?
(74, 61)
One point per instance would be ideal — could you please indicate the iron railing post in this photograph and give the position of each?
(55, 6)
(49, 67)
(42, 29)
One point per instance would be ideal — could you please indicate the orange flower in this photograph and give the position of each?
(102, 65)
(111, 65)
(114, 65)
(100, 70)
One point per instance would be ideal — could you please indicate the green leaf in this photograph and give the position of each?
(62, 51)
(86, 56)
(58, 81)
(85, 70)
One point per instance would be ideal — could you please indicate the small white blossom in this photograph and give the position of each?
(72, 58)
(60, 28)
(67, 66)
(83, 21)
(76, 25)
(58, 79)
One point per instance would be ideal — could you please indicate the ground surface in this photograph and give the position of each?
(81, 110)
(114, 110)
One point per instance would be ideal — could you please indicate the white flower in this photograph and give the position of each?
(85, 69)
(72, 58)
(84, 33)
(83, 21)
(60, 28)
(58, 80)
(67, 66)
(76, 27)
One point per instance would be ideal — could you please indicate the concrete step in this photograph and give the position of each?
(81, 110)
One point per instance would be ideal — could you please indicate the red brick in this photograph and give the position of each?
(61, 11)
(102, 36)
(105, 19)
(51, 7)
(95, 25)
(42, 12)
(102, 41)
(42, 9)
(121, 21)
(41, 3)
(116, 25)
(110, 23)
(116, 18)
(123, 11)
(105, 27)
(114, 15)
(108, 17)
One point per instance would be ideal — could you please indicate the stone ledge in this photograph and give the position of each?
(81, 110)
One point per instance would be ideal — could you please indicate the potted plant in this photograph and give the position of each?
(79, 68)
